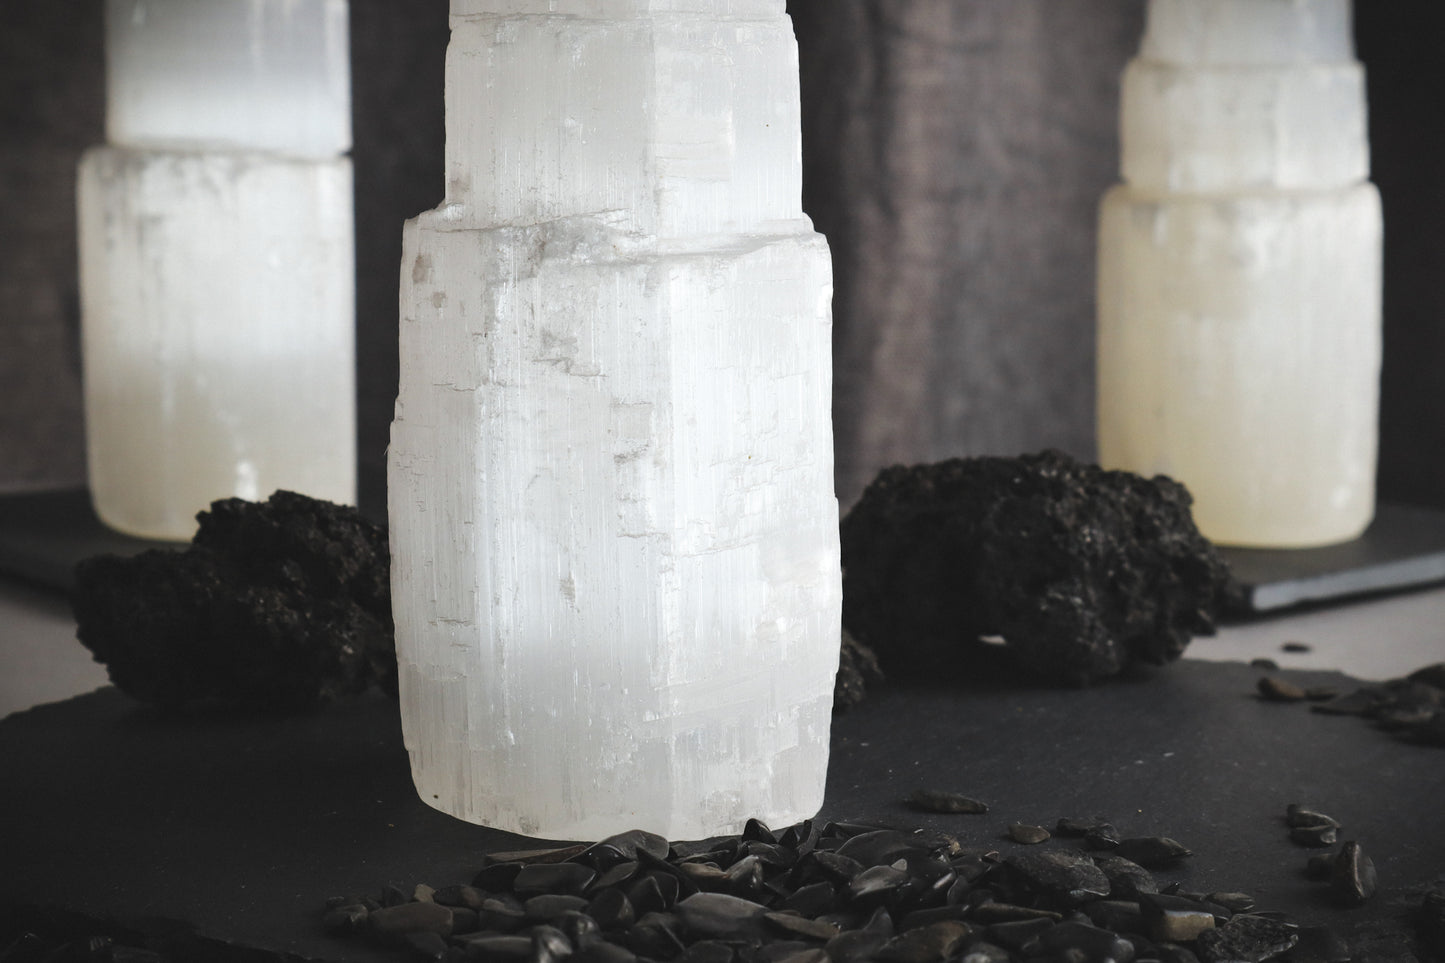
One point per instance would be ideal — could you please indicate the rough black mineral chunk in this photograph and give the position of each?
(1246, 939)
(1063, 875)
(275, 605)
(1081, 571)
(1152, 852)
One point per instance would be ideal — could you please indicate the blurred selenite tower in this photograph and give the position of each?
(1239, 271)
(216, 260)
(615, 542)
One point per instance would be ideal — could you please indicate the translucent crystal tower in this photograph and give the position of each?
(615, 542)
(216, 260)
(1239, 271)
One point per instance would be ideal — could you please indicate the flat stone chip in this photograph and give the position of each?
(1352, 876)
(937, 801)
(1027, 834)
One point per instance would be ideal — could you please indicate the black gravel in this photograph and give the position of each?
(1411, 707)
(843, 893)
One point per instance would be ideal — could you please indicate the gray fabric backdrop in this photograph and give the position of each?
(955, 152)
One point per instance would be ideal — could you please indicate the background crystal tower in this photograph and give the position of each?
(1239, 271)
(216, 260)
(615, 542)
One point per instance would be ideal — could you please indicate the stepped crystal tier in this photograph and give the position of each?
(1239, 272)
(216, 261)
(217, 295)
(615, 543)
(270, 75)
(1192, 129)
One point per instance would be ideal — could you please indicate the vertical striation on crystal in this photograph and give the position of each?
(1239, 271)
(615, 546)
(216, 261)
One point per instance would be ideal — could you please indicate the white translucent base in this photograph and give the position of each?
(1199, 129)
(1239, 352)
(615, 561)
(272, 75)
(217, 332)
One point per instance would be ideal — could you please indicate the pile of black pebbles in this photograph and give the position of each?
(1412, 707)
(835, 893)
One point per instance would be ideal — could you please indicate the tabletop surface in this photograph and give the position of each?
(242, 828)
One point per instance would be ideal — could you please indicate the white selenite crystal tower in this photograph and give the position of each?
(216, 263)
(614, 538)
(1239, 271)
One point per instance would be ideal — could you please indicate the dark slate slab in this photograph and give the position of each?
(240, 829)
(1404, 547)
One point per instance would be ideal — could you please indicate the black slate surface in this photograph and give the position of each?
(241, 828)
(1403, 548)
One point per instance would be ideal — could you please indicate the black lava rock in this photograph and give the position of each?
(857, 669)
(275, 605)
(1081, 571)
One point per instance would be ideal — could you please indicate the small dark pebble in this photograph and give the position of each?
(937, 801)
(1314, 835)
(1275, 689)
(415, 917)
(1246, 939)
(1173, 953)
(1102, 836)
(708, 951)
(1070, 877)
(1152, 852)
(1357, 703)
(721, 916)
(1234, 902)
(1352, 875)
(549, 906)
(985, 952)
(1264, 664)
(1126, 877)
(1072, 826)
(570, 879)
(1296, 647)
(798, 926)
(602, 952)
(994, 912)
(1091, 942)
(1027, 834)
(928, 944)
(1296, 815)
(503, 949)
(1175, 919)
(426, 946)
(1321, 693)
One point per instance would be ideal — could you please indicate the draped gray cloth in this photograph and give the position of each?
(955, 155)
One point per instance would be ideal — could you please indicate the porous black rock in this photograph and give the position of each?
(1081, 571)
(281, 604)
